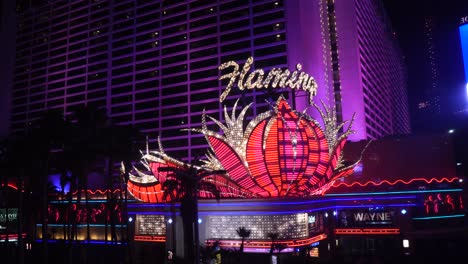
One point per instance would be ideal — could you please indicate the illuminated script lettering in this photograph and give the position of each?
(382, 216)
(276, 78)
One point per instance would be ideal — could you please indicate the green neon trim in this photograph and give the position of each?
(438, 217)
(398, 192)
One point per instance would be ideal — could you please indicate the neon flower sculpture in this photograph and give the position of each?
(280, 153)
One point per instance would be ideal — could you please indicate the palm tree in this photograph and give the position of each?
(17, 150)
(279, 247)
(273, 237)
(64, 179)
(243, 233)
(171, 189)
(33, 147)
(88, 146)
(185, 183)
(5, 168)
(275, 246)
(119, 145)
(76, 145)
(46, 134)
(97, 137)
(5, 160)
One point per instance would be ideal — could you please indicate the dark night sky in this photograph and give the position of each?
(408, 18)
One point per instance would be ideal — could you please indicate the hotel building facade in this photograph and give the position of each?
(154, 64)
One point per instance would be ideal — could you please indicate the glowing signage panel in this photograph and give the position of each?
(315, 222)
(12, 220)
(150, 225)
(314, 252)
(288, 226)
(365, 217)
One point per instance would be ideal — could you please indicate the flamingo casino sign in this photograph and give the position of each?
(280, 153)
(276, 78)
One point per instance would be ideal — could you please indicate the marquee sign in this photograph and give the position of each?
(153, 225)
(276, 78)
(280, 152)
(11, 216)
(365, 218)
(373, 217)
(315, 223)
(288, 226)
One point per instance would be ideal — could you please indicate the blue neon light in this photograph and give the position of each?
(399, 192)
(152, 213)
(55, 180)
(464, 46)
(297, 211)
(467, 99)
(438, 217)
(264, 203)
(301, 202)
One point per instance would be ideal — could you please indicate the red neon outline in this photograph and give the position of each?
(267, 244)
(271, 154)
(395, 182)
(98, 191)
(12, 236)
(257, 166)
(367, 231)
(11, 186)
(150, 238)
(234, 165)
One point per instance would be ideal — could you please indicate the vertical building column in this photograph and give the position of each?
(8, 37)
(327, 248)
(306, 45)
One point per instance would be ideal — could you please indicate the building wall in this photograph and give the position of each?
(7, 33)
(403, 158)
(373, 79)
(150, 64)
(154, 64)
(308, 44)
(349, 50)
